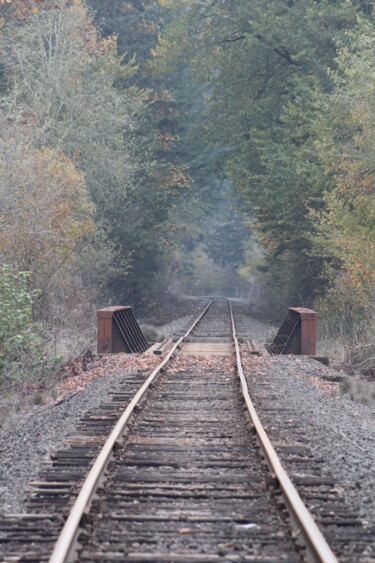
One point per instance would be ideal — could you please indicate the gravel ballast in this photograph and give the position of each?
(38, 432)
(341, 431)
(338, 430)
(31, 433)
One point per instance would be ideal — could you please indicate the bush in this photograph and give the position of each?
(20, 337)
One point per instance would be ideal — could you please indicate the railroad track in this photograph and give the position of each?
(181, 478)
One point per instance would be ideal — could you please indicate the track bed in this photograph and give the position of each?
(186, 480)
(188, 484)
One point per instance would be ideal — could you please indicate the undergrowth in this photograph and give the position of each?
(151, 334)
(359, 389)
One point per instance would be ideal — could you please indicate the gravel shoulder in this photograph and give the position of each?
(30, 433)
(33, 433)
(339, 430)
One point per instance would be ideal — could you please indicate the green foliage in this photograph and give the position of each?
(80, 96)
(225, 243)
(158, 186)
(24, 352)
(165, 201)
(19, 334)
(345, 229)
(265, 68)
(136, 25)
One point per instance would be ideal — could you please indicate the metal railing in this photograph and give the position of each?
(297, 333)
(118, 331)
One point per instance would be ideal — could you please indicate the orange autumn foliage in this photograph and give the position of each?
(21, 9)
(46, 212)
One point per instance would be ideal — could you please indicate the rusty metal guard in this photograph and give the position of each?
(118, 331)
(297, 333)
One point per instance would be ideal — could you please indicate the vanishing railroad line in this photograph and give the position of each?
(181, 478)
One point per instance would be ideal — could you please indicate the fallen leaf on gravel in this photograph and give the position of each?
(185, 531)
(104, 366)
(325, 386)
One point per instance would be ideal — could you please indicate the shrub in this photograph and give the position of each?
(20, 337)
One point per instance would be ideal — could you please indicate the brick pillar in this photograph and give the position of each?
(104, 337)
(308, 331)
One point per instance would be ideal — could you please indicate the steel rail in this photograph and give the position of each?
(65, 543)
(317, 548)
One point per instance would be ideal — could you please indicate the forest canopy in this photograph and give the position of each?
(288, 105)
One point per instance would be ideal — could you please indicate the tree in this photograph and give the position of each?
(181, 162)
(73, 86)
(18, 334)
(46, 214)
(264, 72)
(11, 10)
(136, 25)
(346, 227)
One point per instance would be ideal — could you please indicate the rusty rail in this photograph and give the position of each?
(67, 538)
(317, 548)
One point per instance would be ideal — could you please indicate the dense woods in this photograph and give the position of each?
(288, 104)
(184, 145)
